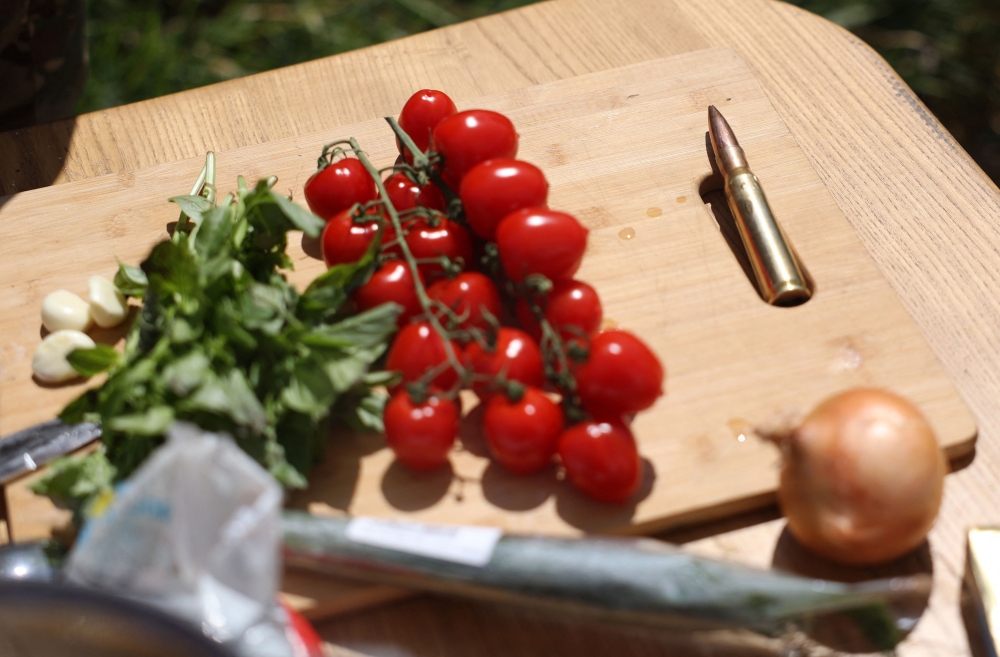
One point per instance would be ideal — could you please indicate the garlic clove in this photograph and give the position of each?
(64, 310)
(49, 362)
(107, 303)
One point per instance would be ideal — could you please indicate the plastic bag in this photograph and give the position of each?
(195, 531)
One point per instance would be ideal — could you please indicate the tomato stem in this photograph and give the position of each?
(411, 262)
(330, 152)
(420, 159)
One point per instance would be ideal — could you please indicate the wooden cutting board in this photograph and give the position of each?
(624, 151)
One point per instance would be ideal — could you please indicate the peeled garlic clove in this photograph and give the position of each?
(49, 362)
(63, 310)
(107, 303)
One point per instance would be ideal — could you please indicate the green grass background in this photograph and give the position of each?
(948, 51)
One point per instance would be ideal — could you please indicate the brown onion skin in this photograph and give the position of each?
(862, 477)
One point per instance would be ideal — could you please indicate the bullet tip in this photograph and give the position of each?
(727, 149)
(722, 134)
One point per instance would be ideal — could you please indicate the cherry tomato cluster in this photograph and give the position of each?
(483, 271)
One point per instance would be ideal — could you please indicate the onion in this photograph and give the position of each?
(862, 477)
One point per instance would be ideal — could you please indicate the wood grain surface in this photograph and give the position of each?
(624, 151)
(925, 212)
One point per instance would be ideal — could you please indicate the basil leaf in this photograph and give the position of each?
(230, 397)
(346, 372)
(187, 373)
(192, 206)
(153, 422)
(71, 477)
(213, 232)
(328, 292)
(79, 409)
(366, 329)
(89, 362)
(131, 281)
(368, 412)
(310, 391)
(301, 218)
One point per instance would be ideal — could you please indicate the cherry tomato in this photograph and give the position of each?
(493, 189)
(301, 634)
(428, 242)
(392, 282)
(468, 138)
(420, 434)
(345, 240)
(522, 435)
(622, 375)
(540, 241)
(421, 114)
(338, 187)
(416, 350)
(516, 355)
(404, 194)
(571, 307)
(601, 459)
(468, 294)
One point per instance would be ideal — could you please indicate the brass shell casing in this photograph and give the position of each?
(779, 276)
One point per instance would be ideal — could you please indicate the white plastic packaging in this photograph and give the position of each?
(195, 531)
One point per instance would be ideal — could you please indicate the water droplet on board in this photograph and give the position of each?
(847, 359)
(654, 212)
(740, 428)
(626, 233)
(682, 199)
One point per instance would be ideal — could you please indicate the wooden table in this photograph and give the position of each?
(926, 213)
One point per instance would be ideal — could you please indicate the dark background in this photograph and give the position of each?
(948, 51)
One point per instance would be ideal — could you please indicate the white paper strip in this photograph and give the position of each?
(472, 546)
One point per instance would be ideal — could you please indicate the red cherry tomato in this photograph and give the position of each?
(421, 114)
(428, 242)
(416, 350)
(540, 241)
(601, 459)
(493, 189)
(522, 435)
(303, 637)
(516, 355)
(421, 435)
(571, 307)
(622, 375)
(404, 194)
(468, 294)
(338, 187)
(471, 137)
(345, 240)
(392, 282)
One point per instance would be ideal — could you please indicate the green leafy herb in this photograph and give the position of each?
(89, 362)
(224, 341)
(77, 478)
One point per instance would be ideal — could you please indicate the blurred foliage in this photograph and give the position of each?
(147, 48)
(948, 51)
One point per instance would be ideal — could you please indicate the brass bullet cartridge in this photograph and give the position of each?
(779, 276)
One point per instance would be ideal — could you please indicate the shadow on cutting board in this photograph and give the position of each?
(33, 157)
(838, 631)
